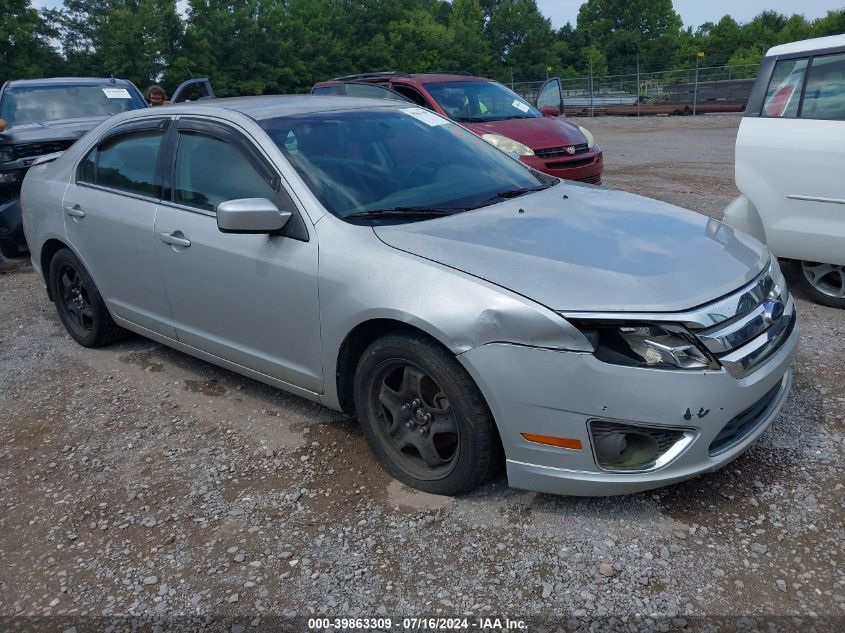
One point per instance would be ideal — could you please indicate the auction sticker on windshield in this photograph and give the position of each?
(429, 118)
(117, 93)
(519, 105)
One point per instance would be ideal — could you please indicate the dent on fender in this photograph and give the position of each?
(519, 325)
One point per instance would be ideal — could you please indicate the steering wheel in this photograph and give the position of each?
(352, 174)
(431, 165)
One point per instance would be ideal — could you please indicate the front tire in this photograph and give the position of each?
(823, 283)
(423, 417)
(79, 304)
(10, 249)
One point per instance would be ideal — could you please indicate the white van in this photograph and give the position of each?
(790, 164)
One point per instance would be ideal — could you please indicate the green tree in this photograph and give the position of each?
(619, 28)
(131, 39)
(469, 49)
(831, 24)
(521, 38)
(24, 42)
(746, 57)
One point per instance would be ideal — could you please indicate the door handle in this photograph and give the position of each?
(174, 239)
(75, 211)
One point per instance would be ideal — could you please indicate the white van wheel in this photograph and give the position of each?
(823, 283)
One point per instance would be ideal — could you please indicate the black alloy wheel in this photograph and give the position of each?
(79, 304)
(423, 416)
(414, 420)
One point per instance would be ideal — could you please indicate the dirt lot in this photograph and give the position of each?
(137, 481)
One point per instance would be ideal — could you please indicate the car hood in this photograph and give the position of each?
(535, 133)
(576, 247)
(59, 130)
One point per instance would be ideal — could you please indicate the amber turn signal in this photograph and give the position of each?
(571, 443)
(2, 125)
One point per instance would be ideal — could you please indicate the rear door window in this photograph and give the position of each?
(128, 162)
(784, 93)
(824, 94)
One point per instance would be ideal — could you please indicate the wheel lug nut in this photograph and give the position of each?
(410, 424)
(428, 417)
(423, 431)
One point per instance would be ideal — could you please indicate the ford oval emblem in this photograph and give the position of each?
(773, 310)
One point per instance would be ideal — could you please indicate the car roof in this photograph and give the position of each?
(806, 46)
(69, 81)
(384, 77)
(271, 106)
(428, 78)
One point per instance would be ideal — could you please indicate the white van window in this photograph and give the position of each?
(784, 93)
(824, 95)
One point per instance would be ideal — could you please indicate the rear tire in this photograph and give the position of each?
(423, 416)
(79, 304)
(823, 283)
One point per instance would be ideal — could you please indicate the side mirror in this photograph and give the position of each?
(550, 111)
(250, 215)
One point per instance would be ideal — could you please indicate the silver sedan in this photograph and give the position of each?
(382, 260)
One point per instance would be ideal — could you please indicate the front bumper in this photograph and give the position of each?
(586, 167)
(557, 393)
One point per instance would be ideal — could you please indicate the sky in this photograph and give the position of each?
(696, 12)
(692, 12)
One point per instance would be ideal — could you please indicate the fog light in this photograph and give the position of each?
(627, 447)
(626, 450)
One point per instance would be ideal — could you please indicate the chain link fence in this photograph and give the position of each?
(686, 91)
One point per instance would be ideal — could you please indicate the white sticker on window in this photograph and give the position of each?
(429, 118)
(117, 93)
(519, 105)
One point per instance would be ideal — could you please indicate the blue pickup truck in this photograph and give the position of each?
(39, 117)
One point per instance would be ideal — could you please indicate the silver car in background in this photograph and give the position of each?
(379, 259)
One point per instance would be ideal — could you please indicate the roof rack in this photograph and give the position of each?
(447, 72)
(388, 73)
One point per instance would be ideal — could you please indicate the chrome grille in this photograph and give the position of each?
(27, 150)
(571, 164)
(554, 152)
(763, 316)
(593, 180)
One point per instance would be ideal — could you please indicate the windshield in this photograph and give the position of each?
(479, 101)
(30, 104)
(397, 159)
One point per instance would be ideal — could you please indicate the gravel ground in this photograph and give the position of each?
(137, 482)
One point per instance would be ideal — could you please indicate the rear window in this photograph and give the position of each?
(824, 95)
(784, 93)
(31, 104)
(336, 89)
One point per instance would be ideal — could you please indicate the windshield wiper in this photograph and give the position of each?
(511, 193)
(405, 212)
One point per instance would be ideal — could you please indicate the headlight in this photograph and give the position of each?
(11, 177)
(646, 345)
(588, 135)
(508, 144)
(6, 154)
